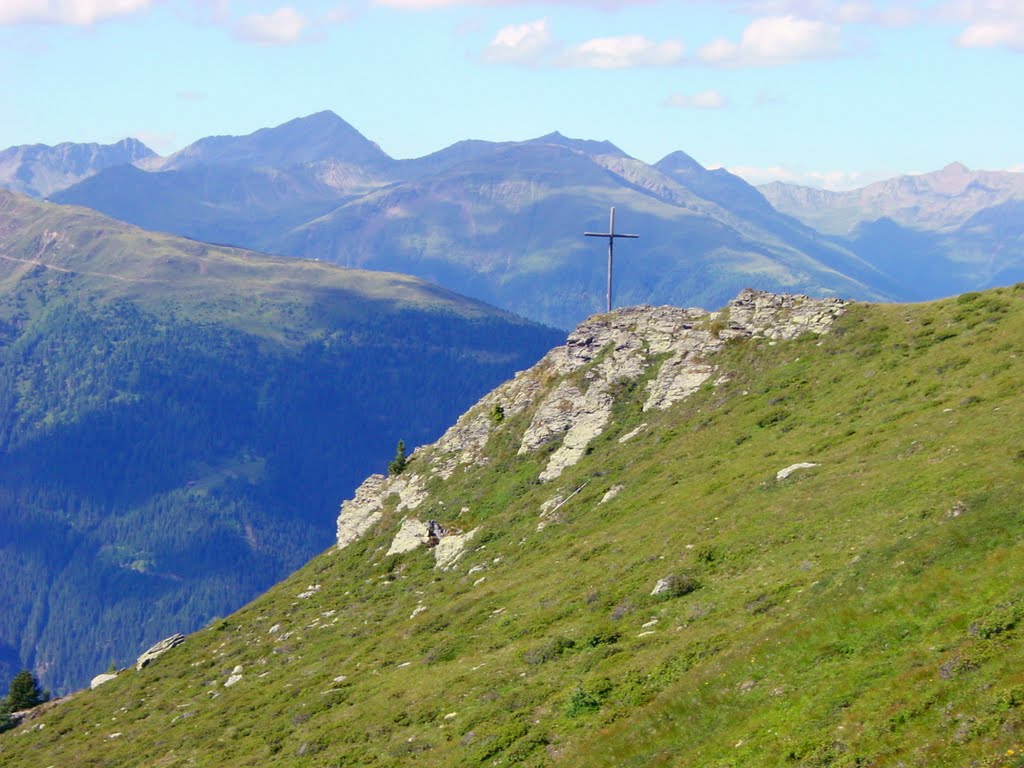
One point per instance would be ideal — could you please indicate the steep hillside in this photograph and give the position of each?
(499, 221)
(788, 533)
(178, 420)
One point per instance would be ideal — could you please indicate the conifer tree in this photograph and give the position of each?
(400, 462)
(25, 692)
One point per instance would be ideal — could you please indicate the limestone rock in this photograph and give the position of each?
(590, 416)
(611, 493)
(782, 474)
(450, 549)
(411, 534)
(99, 680)
(158, 650)
(361, 513)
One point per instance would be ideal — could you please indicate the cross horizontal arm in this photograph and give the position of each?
(607, 234)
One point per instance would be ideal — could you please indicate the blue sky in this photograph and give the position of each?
(833, 94)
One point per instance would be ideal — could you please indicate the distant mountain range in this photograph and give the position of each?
(942, 201)
(936, 234)
(179, 421)
(503, 221)
(500, 221)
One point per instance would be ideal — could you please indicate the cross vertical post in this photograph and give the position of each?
(611, 234)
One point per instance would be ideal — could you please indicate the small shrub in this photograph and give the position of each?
(677, 585)
(497, 414)
(581, 702)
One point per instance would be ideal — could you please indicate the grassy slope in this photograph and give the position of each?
(253, 292)
(865, 612)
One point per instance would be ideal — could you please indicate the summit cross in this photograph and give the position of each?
(611, 234)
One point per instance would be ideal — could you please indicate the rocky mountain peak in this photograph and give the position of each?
(571, 391)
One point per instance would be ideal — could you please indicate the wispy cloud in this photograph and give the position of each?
(989, 23)
(188, 95)
(424, 5)
(703, 100)
(80, 13)
(282, 27)
(622, 52)
(775, 40)
(831, 180)
(528, 43)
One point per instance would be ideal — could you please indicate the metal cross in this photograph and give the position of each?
(611, 234)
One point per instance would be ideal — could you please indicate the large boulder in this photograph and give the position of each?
(159, 650)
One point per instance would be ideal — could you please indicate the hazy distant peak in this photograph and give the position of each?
(586, 146)
(678, 161)
(955, 168)
(314, 138)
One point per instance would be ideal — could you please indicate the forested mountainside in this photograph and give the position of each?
(178, 421)
(785, 533)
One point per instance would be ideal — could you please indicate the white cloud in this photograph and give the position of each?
(622, 53)
(69, 12)
(888, 13)
(775, 40)
(282, 27)
(525, 43)
(702, 100)
(988, 23)
(993, 35)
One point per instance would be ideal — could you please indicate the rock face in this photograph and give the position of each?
(569, 395)
(158, 650)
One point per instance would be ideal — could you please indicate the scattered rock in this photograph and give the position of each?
(99, 680)
(232, 680)
(311, 590)
(158, 650)
(611, 493)
(632, 433)
(417, 611)
(957, 509)
(782, 474)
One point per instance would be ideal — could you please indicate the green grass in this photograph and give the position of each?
(866, 612)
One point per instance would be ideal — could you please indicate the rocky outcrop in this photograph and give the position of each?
(99, 680)
(158, 650)
(450, 549)
(570, 393)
